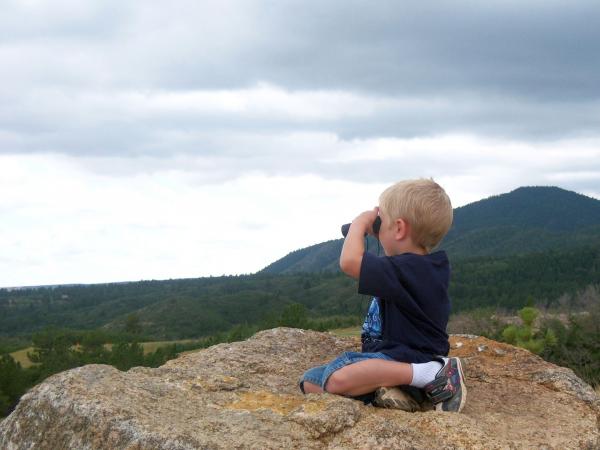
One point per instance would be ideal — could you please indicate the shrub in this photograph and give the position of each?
(525, 336)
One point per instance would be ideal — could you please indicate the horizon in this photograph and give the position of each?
(224, 275)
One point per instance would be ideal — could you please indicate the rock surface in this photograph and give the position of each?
(244, 395)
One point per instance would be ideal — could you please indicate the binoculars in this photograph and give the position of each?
(376, 226)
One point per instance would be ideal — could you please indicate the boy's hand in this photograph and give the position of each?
(365, 220)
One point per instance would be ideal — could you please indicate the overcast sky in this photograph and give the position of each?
(154, 140)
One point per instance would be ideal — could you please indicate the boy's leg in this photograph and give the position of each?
(310, 388)
(310, 381)
(366, 376)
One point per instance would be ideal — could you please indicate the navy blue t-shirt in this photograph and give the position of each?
(408, 315)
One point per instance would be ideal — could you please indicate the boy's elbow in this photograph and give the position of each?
(350, 267)
(343, 265)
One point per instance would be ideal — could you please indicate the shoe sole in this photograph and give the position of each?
(391, 403)
(396, 404)
(463, 386)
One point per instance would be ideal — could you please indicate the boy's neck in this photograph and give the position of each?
(407, 247)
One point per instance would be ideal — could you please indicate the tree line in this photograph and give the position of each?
(191, 308)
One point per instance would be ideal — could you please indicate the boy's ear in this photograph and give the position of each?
(402, 229)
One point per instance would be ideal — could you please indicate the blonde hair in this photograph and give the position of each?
(424, 205)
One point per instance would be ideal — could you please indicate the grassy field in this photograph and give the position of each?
(21, 355)
(149, 347)
(349, 331)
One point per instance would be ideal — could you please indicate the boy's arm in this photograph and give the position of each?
(354, 246)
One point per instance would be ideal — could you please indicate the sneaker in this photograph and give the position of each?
(401, 398)
(448, 391)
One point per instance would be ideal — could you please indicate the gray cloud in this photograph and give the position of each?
(502, 69)
(541, 50)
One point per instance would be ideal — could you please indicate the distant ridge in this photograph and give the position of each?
(527, 220)
(304, 259)
(546, 207)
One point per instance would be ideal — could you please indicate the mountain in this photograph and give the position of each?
(527, 220)
(316, 258)
(543, 207)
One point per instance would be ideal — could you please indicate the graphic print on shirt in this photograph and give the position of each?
(372, 325)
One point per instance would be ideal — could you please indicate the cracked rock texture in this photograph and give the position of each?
(244, 395)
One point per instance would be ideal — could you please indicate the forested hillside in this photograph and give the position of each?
(541, 207)
(526, 220)
(173, 309)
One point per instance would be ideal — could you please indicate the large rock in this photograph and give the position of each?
(245, 395)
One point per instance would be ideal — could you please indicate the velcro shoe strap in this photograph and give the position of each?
(436, 391)
(438, 382)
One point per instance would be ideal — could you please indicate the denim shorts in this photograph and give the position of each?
(320, 374)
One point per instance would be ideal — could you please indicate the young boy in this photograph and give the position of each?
(404, 335)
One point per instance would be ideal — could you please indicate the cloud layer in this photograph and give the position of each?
(126, 128)
(106, 78)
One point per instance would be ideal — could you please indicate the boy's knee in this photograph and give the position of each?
(337, 383)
